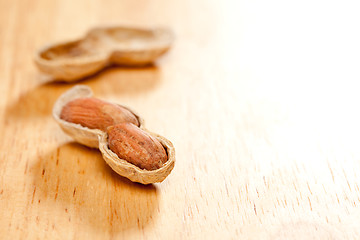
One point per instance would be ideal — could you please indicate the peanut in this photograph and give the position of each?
(96, 114)
(136, 146)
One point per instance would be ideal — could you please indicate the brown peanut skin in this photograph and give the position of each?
(96, 114)
(136, 146)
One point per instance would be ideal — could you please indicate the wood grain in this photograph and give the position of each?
(260, 99)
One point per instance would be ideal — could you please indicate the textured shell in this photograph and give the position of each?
(134, 47)
(83, 135)
(134, 173)
(96, 138)
(73, 60)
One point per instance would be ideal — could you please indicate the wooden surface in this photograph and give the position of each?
(260, 98)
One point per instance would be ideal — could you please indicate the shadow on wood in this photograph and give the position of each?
(75, 184)
(38, 102)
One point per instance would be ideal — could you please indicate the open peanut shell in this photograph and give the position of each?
(134, 173)
(96, 138)
(73, 60)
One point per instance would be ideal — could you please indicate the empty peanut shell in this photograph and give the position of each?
(73, 60)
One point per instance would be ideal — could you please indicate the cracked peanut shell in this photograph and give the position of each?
(97, 138)
(72, 60)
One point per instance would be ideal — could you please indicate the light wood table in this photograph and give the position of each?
(260, 98)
